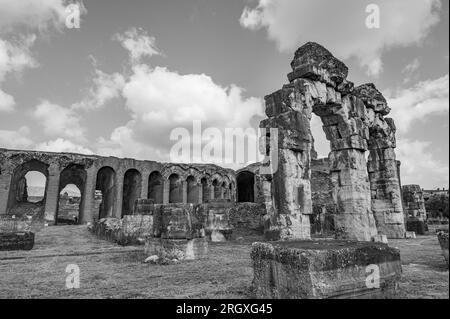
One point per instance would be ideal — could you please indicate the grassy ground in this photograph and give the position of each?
(110, 271)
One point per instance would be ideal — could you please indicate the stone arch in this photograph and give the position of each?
(156, 187)
(132, 184)
(106, 185)
(73, 174)
(245, 187)
(192, 190)
(168, 171)
(18, 187)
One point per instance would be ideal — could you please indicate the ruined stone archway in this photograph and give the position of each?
(106, 184)
(18, 190)
(245, 187)
(132, 184)
(318, 84)
(73, 174)
(175, 189)
(156, 187)
(69, 206)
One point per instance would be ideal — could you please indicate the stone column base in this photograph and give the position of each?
(325, 269)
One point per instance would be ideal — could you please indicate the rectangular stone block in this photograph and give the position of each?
(443, 241)
(181, 249)
(325, 269)
(16, 241)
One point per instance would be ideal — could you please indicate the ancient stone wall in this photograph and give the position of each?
(120, 181)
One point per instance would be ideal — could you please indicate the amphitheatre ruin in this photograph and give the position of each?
(336, 215)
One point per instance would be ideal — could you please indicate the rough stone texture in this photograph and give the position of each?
(16, 241)
(216, 216)
(414, 204)
(323, 269)
(248, 217)
(416, 225)
(382, 165)
(324, 207)
(121, 182)
(366, 196)
(443, 241)
(414, 209)
(180, 221)
(10, 225)
(131, 230)
(179, 249)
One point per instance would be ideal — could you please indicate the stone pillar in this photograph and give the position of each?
(200, 192)
(144, 188)
(89, 196)
(166, 191)
(119, 195)
(5, 183)
(52, 193)
(382, 166)
(414, 202)
(184, 190)
(291, 181)
(386, 193)
(211, 192)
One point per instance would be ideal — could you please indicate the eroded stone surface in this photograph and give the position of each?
(324, 269)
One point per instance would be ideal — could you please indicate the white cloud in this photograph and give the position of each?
(16, 139)
(7, 102)
(138, 44)
(410, 69)
(340, 25)
(419, 166)
(105, 88)
(63, 145)
(35, 14)
(160, 100)
(426, 98)
(59, 121)
(15, 57)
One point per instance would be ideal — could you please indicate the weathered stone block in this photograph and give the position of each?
(416, 225)
(180, 249)
(443, 241)
(410, 235)
(217, 220)
(179, 221)
(16, 241)
(325, 269)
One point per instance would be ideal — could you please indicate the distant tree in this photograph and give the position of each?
(438, 206)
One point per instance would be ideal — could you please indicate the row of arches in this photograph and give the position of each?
(180, 189)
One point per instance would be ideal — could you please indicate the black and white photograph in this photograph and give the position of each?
(235, 153)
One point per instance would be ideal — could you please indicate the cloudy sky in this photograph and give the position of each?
(137, 69)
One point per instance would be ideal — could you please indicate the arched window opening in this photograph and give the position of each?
(156, 187)
(192, 190)
(245, 187)
(175, 189)
(105, 192)
(132, 184)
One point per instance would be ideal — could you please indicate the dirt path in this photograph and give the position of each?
(111, 271)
